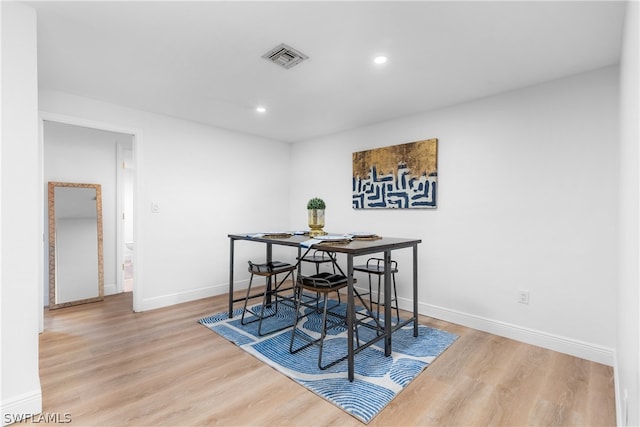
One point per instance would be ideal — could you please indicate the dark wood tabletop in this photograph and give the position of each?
(355, 247)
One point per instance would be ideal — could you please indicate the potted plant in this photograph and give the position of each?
(315, 208)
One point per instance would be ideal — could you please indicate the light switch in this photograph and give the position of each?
(155, 207)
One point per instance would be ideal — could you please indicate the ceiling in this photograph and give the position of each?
(202, 61)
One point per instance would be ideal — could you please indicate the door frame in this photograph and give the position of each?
(120, 208)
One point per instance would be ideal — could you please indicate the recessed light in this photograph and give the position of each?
(380, 59)
(261, 109)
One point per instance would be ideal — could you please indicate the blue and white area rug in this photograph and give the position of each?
(378, 379)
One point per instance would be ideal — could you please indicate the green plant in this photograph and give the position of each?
(316, 203)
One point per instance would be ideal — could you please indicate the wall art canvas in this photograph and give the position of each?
(401, 176)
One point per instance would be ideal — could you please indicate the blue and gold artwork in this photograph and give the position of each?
(401, 176)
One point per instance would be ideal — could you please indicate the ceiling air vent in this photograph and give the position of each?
(285, 56)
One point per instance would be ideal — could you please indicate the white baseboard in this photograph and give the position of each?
(192, 295)
(583, 350)
(20, 407)
(110, 289)
(622, 404)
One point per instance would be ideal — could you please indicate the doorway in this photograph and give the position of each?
(77, 150)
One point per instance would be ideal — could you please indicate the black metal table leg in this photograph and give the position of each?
(415, 290)
(231, 242)
(350, 316)
(269, 256)
(387, 303)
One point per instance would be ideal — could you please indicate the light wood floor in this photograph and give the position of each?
(104, 365)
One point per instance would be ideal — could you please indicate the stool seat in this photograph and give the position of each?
(316, 258)
(323, 281)
(320, 257)
(273, 288)
(374, 269)
(270, 268)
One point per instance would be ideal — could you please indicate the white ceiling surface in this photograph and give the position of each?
(202, 61)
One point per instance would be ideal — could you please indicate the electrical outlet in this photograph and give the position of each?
(523, 297)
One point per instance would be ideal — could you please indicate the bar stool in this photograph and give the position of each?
(320, 257)
(322, 284)
(273, 288)
(375, 266)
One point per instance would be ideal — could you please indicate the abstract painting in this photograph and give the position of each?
(401, 176)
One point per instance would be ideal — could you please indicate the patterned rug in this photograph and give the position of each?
(378, 379)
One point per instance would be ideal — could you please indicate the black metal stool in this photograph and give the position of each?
(321, 284)
(272, 289)
(375, 266)
(320, 257)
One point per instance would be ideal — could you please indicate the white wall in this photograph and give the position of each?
(20, 216)
(207, 183)
(527, 200)
(628, 355)
(84, 155)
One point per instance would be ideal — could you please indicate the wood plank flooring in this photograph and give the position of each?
(104, 365)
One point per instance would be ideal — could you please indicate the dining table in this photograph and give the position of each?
(351, 246)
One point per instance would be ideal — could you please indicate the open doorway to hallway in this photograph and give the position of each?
(83, 154)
